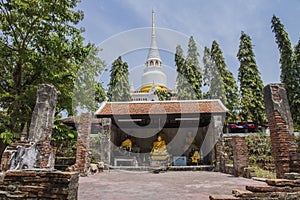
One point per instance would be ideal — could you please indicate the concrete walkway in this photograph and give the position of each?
(123, 185)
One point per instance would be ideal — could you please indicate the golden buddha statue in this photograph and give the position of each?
(127, 144)
(159, 149)
(195, 157)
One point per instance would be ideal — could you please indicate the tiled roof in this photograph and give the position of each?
(160, 107)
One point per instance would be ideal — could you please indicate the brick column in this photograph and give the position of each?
(220, 164)
(82, 151)
(281, 126)
(240, 155)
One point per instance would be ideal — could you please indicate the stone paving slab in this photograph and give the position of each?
(143, 185)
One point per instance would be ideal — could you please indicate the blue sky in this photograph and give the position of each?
(108, 23)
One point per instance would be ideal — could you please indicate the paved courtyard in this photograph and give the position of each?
(142, 185)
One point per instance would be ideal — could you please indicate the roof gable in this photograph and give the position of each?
(160, 107)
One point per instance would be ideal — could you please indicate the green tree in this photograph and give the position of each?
(229, 89)
(119, 87)
(39, 43)
(289, 67)
(193, 71)
(296, 98)
(184, 91)
(212, 77)
(251, 85)
(164, 95)
(87, 91)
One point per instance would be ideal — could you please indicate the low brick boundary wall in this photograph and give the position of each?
(34, 184)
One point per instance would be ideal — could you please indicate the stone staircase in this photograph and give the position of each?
(287, 188)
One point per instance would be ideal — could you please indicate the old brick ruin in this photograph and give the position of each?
(281, 127)
(36, 184)
(82, 151)
(286, 156)
(29, 165)
(240, 155)
(36, 152)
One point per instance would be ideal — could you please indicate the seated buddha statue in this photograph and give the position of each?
(159, 149)
(195, 157)
(127, 144)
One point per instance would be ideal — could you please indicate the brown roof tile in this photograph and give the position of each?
(161, 107)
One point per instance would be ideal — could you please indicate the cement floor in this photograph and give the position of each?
(142, 185)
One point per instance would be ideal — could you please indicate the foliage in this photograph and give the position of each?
(259, 151)
(290, 69)
(164, 95)
(64, 139)
(192, 71)
(251, 85)
(189, 78)
(8, 137)
(295, 105)
(184, 91)
(212, 77)
(228, 150)
(87, 91)
(220, 80)
(119, 87)
(261, 173)
(95, 147)
(39, 43)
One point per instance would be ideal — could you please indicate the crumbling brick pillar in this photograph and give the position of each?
(36, 152)
(219, 160)
(240, 155)
(82, 151)
(281, 126)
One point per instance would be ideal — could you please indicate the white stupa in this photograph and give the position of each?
(153, 72)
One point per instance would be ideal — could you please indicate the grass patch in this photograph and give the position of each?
(261, 173)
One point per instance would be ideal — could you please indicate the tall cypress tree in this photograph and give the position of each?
(251, 85)
(184, 91)
(295, 109)
(212, 77)
(193, 70)
(119, 87)
(289, 70)
(227, 83)
(207, 71)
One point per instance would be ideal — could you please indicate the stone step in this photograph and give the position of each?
(283, 182)
(222, 197)
(242, 193)
(292, 176)
(269, 189)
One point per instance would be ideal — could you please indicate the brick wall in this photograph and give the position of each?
(33, 184)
